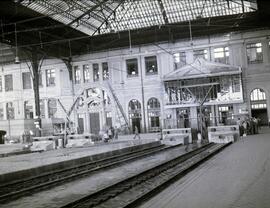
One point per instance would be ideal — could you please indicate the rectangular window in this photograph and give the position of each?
(26, 78)
(179, 60)
(221, 55)
(154, 121)
(1, 85)
(254, 53)
(8, 82)
(86, 73)
(50, 77)
(1, 112)
(259, 106)
(10, 111)
(77, 75)
(105, 71)
(203, 53)
(132, 67)
(95, 72)
(28, 110)
(151, 65)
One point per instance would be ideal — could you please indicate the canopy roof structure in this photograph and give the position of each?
(64, 28)
(202, 68)
(94, 17)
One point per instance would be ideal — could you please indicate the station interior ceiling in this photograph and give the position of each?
(63, 29)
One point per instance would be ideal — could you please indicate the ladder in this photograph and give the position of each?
(120, 108)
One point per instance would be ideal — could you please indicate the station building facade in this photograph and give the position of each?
(150, 86)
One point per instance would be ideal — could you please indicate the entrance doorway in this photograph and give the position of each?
(134, 110)
(182, 115)
(94, 123)
(80, 124)
(261, 114)
(153, 112)
(136, 122)
(225, 113)
(259, 106)
(204, 120)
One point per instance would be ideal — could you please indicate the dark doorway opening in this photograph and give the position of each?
(94, 123)
(260, 114)
(259, 106)
(136, 122)
(80, 125)
(183, 115)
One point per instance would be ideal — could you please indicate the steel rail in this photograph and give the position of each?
(130, 191)
(21, 188)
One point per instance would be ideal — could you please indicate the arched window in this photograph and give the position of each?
(258, 99)
(134, 105)
(153, 111)
(257, 95)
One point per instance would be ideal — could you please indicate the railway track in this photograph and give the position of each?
(132, 191)
(21, 188)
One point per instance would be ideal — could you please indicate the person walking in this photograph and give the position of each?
(110, 134)
(241, 131)
(245, 125)
(115, 133)
(136, 131)
(256, 125)
(105, 136)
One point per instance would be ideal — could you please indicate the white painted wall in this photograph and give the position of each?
(126, 88)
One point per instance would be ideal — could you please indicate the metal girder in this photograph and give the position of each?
(65, 14)
(87, 12)
(199, 85)
(83, 9)
(104, 6)
(106, 20)
(205, 97)
(242, 4)
(163, 12)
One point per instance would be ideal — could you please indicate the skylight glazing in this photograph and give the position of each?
(95, 17)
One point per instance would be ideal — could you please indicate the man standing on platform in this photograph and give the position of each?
(136, 131)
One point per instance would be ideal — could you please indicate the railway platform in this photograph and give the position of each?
(237, 177)
(32, 164)
(10, 149)
(74, 190)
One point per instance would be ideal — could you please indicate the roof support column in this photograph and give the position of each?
(36, 64)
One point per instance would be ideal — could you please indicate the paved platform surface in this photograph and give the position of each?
(237, 177)
(71, 191)
(10, 148)
(32, 160)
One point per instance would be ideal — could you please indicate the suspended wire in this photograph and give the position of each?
(90, 36)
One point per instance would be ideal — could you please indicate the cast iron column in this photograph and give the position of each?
(35, 69)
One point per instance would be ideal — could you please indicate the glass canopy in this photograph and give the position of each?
(95, 17)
